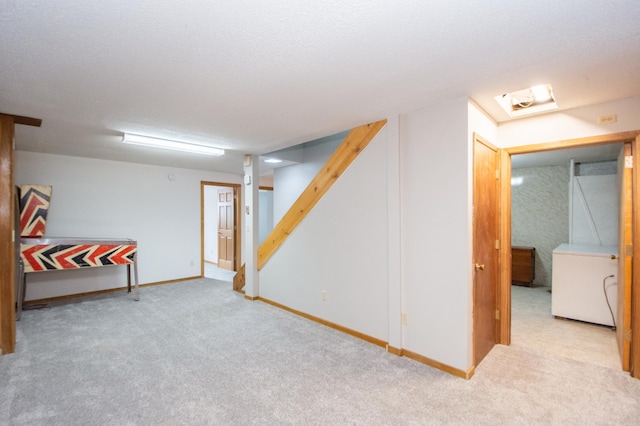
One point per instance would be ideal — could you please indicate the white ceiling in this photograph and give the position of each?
(258, 76)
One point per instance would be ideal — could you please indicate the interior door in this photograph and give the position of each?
(625, 257)
(485, 244)
(226, 243)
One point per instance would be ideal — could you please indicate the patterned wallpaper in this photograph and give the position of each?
(540, 213)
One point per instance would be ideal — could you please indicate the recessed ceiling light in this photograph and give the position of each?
(542, 93)
(172, 145)
(528, 101)
(273, 160)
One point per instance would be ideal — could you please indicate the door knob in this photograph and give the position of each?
(479, 267)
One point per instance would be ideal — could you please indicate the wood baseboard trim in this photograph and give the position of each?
(99, 292)
(195, 277)
(250, 298)
(395, 351)
(440, 366)
(346, 330)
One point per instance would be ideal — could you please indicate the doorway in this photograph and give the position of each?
(220, 230)
(505, 285)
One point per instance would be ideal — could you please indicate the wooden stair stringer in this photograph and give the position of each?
(352, 145)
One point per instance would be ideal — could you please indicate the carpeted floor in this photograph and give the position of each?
(534, 327)
(197, 353)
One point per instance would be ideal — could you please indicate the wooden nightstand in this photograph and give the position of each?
(523, 265)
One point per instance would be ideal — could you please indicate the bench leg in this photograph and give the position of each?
(135, 278)
(22, 284)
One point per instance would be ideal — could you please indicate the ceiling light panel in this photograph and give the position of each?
(533, 100)
(171, 145)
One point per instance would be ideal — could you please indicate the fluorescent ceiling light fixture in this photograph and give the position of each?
(528, 101)
(517, 181)
(172, 145)
(273, 160)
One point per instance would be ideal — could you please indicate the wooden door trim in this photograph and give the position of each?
(574, 143)
(504, 290)
(353, 144)
(625, 259)
(7, 263)
(635, 283)
(622, 137)
(236, 218)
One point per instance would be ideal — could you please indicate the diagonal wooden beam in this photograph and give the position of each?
(357, 139)
(27, 121)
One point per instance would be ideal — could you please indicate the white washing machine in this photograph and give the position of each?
(577, 277)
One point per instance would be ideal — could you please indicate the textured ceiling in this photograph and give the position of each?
(257, 76)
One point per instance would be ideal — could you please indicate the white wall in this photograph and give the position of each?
(210, 222)
(340, 248)
(435, 175)
(596, 205)
(97, 198)
(265, 220)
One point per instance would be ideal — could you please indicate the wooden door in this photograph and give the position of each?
(485, 244)
(625, 257)
(226, 225)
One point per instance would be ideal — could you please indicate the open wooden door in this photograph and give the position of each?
(485, 247)
(226, 225)
(625, 256)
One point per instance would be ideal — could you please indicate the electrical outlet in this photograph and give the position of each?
(405, 318)
(324, 295)
(191, 263)
(607, 119)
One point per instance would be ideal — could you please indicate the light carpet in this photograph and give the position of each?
(197, 353)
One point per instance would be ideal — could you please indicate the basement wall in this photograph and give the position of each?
(340, 251)
(109, 199)
(436, 166)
